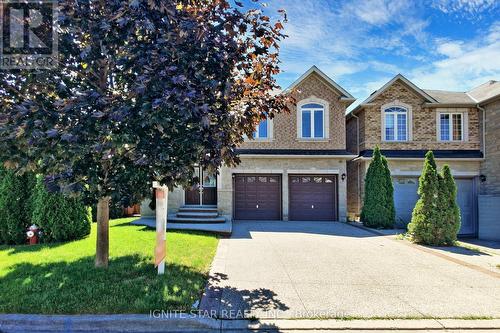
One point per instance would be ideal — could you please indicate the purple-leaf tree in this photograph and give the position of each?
(143, 91)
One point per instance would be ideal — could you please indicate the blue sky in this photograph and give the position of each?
(361, 44)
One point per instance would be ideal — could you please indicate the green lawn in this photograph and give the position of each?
(61, 278)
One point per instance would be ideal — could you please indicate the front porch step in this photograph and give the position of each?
(176, 219)
(197, 214)
(198, 209)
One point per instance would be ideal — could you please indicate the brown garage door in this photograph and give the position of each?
(257, 197)
(313, 197)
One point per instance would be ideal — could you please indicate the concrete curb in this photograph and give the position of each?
(379, 232)
(107, 323)
(14, 323)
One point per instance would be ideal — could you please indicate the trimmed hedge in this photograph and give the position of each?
(378, 206)
(61, 218)
(15, 206)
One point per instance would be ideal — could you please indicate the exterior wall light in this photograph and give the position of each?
(482, 178)
(343, 176)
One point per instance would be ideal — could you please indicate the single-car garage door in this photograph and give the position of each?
(257, 197)
(405, 198)
(313, 197)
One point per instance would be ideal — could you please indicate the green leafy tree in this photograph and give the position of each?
(378, 207)
(143, 91)
(60, 217)
(15, 206)
(425, 223)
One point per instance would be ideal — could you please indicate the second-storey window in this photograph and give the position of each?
(396, 124)
(262, 131)
(451, 127)
(313, 120)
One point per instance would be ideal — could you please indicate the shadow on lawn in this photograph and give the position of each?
(15, 249)
(130, 285)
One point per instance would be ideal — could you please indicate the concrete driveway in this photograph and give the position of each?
(331, 270)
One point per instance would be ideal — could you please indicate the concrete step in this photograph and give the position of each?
(197, 214)
(198, 209)
(176, 219)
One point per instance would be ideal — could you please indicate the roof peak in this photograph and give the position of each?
(314, 69)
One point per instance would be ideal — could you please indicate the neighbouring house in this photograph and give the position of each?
(487, 96)
(293, 169)
(407, 121)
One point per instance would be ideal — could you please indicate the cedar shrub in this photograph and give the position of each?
(450, 218)
(61, 218)
(378, 207)
(15, 206)
(436, 217)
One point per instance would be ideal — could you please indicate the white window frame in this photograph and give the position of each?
(326, 117)
(409, 121)
(269, 131)
(465, 123)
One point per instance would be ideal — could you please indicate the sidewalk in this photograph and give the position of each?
(186, 323)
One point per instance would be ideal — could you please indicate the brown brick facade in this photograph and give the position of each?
(424, 123)
(352, 135)
(285, 124)
(490, 167)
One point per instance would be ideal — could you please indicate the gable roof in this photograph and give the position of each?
(345, 96)
(450, 97)
(485, 92)
(410, 84)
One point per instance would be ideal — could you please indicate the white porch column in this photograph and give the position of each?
(161, 195)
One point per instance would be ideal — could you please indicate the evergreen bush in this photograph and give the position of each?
(378, 206)
(449, 224)
(436, 216)
(61, 218)
(15, 206)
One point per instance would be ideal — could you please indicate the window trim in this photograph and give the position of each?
(270, 133)
(409, 121)
(326, 117)
(465, 124)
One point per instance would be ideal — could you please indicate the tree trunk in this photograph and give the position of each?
(102, 242)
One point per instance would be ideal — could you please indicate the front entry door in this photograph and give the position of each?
(206, 194)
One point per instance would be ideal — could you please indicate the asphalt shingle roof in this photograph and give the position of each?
(450, 97)
(485, 91)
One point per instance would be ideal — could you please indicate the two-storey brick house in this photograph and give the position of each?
(407, 121)
(295, 167)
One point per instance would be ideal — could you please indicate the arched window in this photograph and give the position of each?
(312, 116)
(396, 124)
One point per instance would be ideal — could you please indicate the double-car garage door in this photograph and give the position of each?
(311, 197)
(405, 198)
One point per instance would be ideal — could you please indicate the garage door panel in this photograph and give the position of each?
(465, 200)
(257, 197)
(313, 197)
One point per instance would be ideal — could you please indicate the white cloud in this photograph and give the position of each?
(450, 48)
(340, 36)
(465, 64)
(376, 12)
(465, 6)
